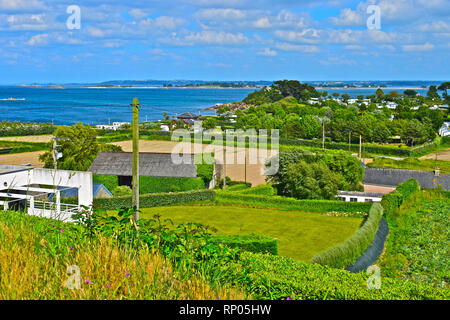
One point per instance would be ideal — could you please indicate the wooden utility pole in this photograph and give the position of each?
(224, 169)
(135, 183)
(245, 168)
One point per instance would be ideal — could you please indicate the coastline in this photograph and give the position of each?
(167, 88)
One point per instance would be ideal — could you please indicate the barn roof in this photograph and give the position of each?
(150, 165)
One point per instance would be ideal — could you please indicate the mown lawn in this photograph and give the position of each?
(300, 235)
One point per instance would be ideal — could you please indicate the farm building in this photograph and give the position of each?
(154, 168)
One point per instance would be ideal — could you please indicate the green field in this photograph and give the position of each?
(300, 235)
(411, 164)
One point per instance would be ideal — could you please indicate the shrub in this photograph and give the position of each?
(276, 278)
(352, 208)
(391, 202)
(232, 183)
(155, 199)
(121, 191)
(251, 242)
(345, 254)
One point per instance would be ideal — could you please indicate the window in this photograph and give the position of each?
(354, 199)
(368, 200)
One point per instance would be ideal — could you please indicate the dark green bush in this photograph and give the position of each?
(391, 202)
(238, 187)
(345, 254)
(352, 208)
(251, 242)
(155, 199)
(275, 277)
(169, 184)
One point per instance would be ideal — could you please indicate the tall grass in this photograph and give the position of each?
(35, 255)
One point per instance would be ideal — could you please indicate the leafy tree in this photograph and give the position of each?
(379, 93)
(432, 93)
(78, 144)
(209, 123)
(410, 93)
(345, 97)
(312, 181)
(310, 127)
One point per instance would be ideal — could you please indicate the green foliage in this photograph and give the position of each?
(308, 176)
(238, 187)
(250, 242)
(263, 189)
(418, 243)
(20, 147)
(237, 198)
(411, 164)
(17, 128)
(169, 184)
(109, 181)
(345, 254)
(391, 202)
(122, 191)
(110, 148)
(155, 199)
(79, 147)
(277, 278)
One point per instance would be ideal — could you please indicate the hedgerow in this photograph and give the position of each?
(352, 208)
(250, 242)
(345, 254)
(391, 202)
(10, 129)
(263, 189)
(109, 181)
(275, 277)
(169, 184)
(155, 199)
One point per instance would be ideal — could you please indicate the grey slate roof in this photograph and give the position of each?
(150, 165)
(361, 194)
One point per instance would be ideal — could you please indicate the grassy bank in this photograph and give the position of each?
(38, 252)
(411, 164)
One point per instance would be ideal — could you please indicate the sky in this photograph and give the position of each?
(41, 42)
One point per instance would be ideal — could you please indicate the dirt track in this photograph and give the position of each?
(442, 155)
(22, 158)
(42, 138)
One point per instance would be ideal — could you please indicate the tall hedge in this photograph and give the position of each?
(169, 184)
(345, 254)
(109, 181)
(237, 198)
(277, 278)
(249, 242)
(391, 202)
(155, 199)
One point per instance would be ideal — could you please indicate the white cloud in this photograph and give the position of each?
(137, 13)
(348, 17)
(305, 36)
(262, 23)
(418, 47)
(163, 22)
(300, 48)
(354, 47)
(220, 14)
(435, 26)
(268, 53)
(95, 32)
(21, 5)
(208, 38)
(38, 40)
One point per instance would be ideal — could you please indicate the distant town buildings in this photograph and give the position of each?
(114, 126)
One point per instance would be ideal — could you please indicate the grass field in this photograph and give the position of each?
(411, 164)
(300, 235)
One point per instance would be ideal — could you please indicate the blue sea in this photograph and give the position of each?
(101, 106)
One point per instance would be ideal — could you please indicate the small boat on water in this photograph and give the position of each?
(13, 99)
